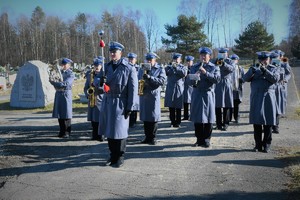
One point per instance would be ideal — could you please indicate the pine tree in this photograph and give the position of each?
(186, 37)
(255, 38)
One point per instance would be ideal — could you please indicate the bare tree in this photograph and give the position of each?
(264, 14)
(190, 8)
(210, 19)
(4, 35)
(47, 37)
(24, 40)
(151, 27)
(37, 24)
(294, 18)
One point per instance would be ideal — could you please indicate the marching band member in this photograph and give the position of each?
(62, 108)
(224, 95)
(95, 98)
(118, 103)
(187, 92)
(203, 97)
(237, 86)
(174, 91)
(150, 109)
(281, 87)
(132, 59)
(263, 77)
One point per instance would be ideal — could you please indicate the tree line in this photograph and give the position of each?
(48, 38)
(215, 20)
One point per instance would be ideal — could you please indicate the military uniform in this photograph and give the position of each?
(62, 108)
(174, 91)
(203, 99)
(281, 86)
(262, 101)
(187, 92)
(93, 114)
(150, 109)
(117, 104)
(133, 115)
(237, 86)
(224, 94)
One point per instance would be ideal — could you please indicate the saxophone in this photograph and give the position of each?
(145, 67)
(141, 85)
(91, 90)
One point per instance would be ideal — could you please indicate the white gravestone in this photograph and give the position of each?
(31, 88)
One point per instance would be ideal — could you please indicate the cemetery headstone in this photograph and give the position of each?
(31, 88)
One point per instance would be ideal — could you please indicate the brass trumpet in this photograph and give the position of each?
(258, 65)
(284, 59)
(219, 62)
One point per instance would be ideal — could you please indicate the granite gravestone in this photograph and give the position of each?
(31, 88)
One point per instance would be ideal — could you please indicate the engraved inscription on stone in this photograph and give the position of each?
(27, 89)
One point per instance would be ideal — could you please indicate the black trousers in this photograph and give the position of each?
(276, 127)
(258, 129)
(95, 126)
(175, 116)
(150, 129)
(117, 148)
(236, 109)
(225, 115)
(203, 132)
(186, 113)
(132, 118)
(64, 126)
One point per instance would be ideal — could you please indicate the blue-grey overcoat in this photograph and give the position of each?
(174, 89)
(238, 91)
(281, 88)
(93, 112)
(122, 97)
(224, 94)
(203, 96)
(62, 108)
(137, 68)
(188, 89)
(100, 93)
(262, 98)
(150, 109)
(279, 91)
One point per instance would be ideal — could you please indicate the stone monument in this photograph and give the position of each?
(31, 88)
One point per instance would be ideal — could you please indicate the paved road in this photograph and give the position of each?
(37, 165)
(4, 97)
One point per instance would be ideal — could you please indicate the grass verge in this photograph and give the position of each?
(291, 156)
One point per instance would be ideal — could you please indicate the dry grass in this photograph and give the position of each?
(291, 156)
